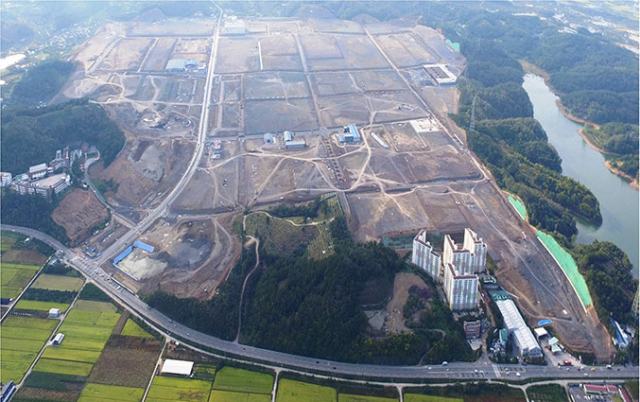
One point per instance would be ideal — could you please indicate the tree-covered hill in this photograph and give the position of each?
(31, 136)
(40, 83)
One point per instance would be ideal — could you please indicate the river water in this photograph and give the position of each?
(618, 200)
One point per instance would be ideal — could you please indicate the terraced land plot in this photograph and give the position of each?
(22, 339)
(15, 277)
(98, 392)
(170, 389)
(58, 282)
(294, 391)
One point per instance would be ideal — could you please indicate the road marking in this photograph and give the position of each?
(495, 370)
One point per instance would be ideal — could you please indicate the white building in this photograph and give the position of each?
(54, 312)
(469, 257)
(38, 171)
(424, 256)
(234, 26)
(46, 187)
(461, 289)
(58, 339)
(6, 179)
(518, 329)
(177, 367)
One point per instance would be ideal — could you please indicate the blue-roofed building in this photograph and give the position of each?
(621, 339)
(143, 246)
(122, 255)
(349, 135)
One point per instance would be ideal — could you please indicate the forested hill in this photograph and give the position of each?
(31, 136)
(41, 83)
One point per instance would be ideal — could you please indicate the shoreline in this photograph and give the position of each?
(633, 182)
(533, 69)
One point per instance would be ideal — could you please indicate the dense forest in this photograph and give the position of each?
(32, 211)
(314, 308)
(41, 82)
(621, 141)
(607, 271)
(32, 136)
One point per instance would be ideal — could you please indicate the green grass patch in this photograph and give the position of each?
(280, 236)
(57, 282)
(63, 367)
(7, 275)
(38, 379)
(234, 379)
(94, 332)
(7, 375)
(111, 392)
(428, 398)
(519, 207)
(4, 247)
(15, 277)
(228, 396)
(24, 345)
(92, 305)
(363, 398)
(547, 393)
(28, 267)
(568, 265)
(76, 355)
(40, 305)
(133, 329)
(294, 391)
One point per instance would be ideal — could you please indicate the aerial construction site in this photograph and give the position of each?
(223, 114)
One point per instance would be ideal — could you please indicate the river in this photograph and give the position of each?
(618, 200)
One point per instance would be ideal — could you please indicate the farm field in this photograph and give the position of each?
(233, 379)
(98, 392)
(547, 393)
(362, 398)
(22, 339)
(58, 282)
(228, 396)
(133, 329)
(15, 277)
(63, 367)
(171, 389)
(91, 305)
(429, 398)
(40, 305)
(293, 391)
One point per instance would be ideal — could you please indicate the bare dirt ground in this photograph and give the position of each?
(401, 285)
(24, 257)
(78, 213)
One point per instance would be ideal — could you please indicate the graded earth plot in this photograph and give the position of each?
(22, 340)
(159, 54)
(276, 85)
(237, 55)
(126, 54)
(197, 254)
(262, 116)
(174, 27)
(406, 49)
(79, 213)
(356, 52)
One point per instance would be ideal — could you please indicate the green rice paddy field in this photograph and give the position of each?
(40, 305)
(58, 282)
(293, 391)
(133, 329)
(15, 277)
(22, 339)
(99, 392)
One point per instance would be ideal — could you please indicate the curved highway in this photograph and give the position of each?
(173, 330)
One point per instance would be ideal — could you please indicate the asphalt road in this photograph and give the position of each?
(462, 371)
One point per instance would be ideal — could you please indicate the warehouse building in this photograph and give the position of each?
(425, 256)
(180, 65)
(349, 135)
(58, 339)
(518, 329)
(291, 143)
(177, 367)
(38, 171)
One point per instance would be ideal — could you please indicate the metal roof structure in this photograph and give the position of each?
(515, 325)
(38, 168)
(143, 246)
(177, 367)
